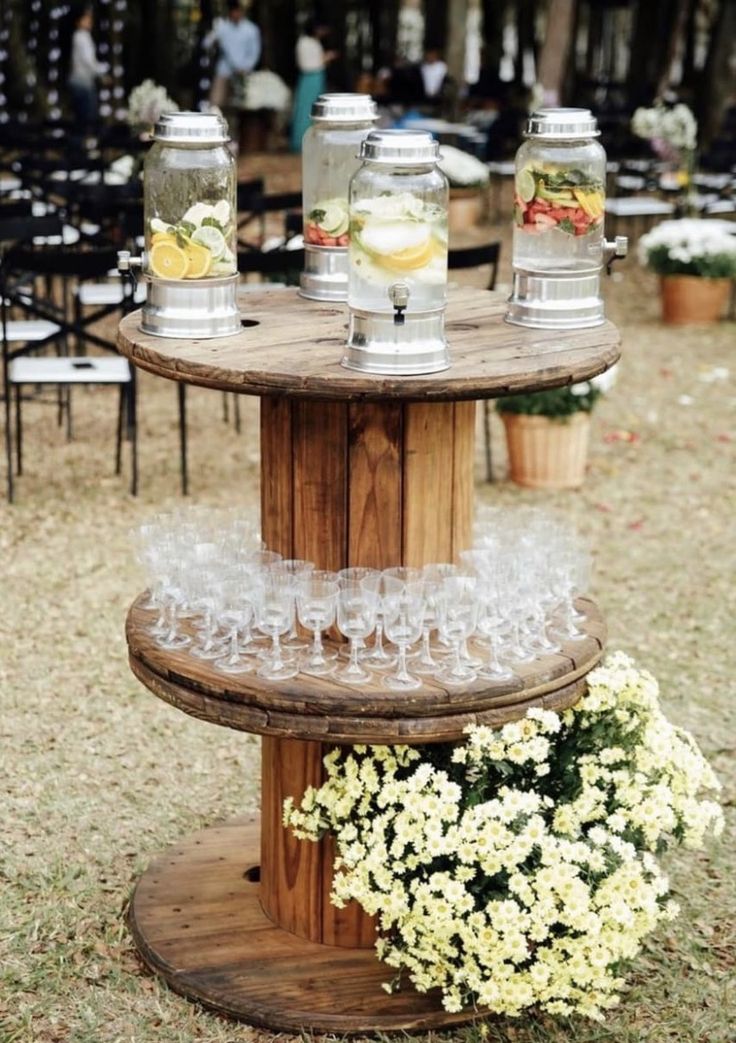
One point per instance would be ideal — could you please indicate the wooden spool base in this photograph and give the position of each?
(198, 922)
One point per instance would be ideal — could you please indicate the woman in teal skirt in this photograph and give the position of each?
(311, 59)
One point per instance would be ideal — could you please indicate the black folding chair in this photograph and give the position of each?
(477, 257)
(22, 367)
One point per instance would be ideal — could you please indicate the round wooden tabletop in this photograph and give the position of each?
(292, 346)
(325, 710)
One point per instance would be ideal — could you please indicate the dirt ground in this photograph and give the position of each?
(98, 775)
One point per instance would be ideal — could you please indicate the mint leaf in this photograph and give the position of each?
(566, 225)
(186, 228)
(316, 215)
(212, 222)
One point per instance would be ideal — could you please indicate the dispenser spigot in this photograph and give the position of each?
(126, 262)
(399, 296)
(613, 250)
(127, 265)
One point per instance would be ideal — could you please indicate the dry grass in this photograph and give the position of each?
(99, 775)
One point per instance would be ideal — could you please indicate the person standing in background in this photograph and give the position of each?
(311, 60)
(239, 50)
(83, 72)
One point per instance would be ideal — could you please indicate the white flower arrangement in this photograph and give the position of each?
(147, 102)
(674, 125)
(461, 169)
(689, 247)
(518, 869)
(266, 90)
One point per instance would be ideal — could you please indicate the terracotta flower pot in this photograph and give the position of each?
(545, 453)
(691, 299)
(466, 208)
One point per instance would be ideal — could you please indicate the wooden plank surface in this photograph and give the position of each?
(277, 481)
(197, 921)
(375, 484)
(429, 439)
(297, 346)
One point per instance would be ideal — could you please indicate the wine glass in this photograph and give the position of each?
(403, 615)
(457, 613)
(381, 584)
(490, 621)
(356, 618)
(424, 662)
(274, 615)
(293, 569)
(316, 603)
(235, 612)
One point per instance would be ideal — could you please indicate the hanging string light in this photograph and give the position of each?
(31, 77)
(119, 8)
(7, 16)
(53, 75)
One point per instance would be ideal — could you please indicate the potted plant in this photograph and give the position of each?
(696, 261)
(547, 433)
(469, 179)
(672, 132)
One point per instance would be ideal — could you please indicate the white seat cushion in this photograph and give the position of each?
(27, 330)
(97, 294)
(638, 206)
(84, 370)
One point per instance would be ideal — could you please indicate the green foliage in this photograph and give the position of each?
(556, 403)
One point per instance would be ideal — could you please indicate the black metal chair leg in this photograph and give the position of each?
(225, 407)
(133, 425)
(8, 440)
(182, 393)
(68, 407)
(236, 410)
(18, 431)
(487, 439)
(119, 432)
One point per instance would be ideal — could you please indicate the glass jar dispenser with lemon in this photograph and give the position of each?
(190, 220)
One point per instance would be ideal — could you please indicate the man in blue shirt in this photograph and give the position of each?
(239, 49)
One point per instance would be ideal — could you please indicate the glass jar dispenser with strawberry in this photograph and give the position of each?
(330, 150)
(559, 207)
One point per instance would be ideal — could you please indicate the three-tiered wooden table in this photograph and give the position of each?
(355, 470)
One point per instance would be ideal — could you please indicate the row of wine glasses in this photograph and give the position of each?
(218, 594)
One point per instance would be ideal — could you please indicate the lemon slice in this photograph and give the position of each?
(163, 237)
(200, 261)
(526, 185)
(212, 238)
(168, 261)
(411, 258)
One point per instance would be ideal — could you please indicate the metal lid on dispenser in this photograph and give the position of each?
(344, 108)
(191, 128)
(401, 148)
(562, 124)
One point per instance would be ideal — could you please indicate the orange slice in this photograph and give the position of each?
(200, 261)
(168, 261)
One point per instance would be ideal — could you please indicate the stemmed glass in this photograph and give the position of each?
(424, 662)
(382, 585)
(458, 613)
(173, 598)
(293, 569)
(356, 618)
(274, 615)
(316, 603)
(236, 610)
(403, 616)
(490, 621)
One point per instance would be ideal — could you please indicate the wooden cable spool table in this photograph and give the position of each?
(356, 469)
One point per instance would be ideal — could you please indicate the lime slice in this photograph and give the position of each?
(212, 238)
(221, 212)
(334, 218)
(197, 213)
(526, 185)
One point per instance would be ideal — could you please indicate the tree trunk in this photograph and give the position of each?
(719, 78)
(558, 42)
(494, 19)
(457, 22)
(384, 19)
(650, 49)
(525, 16)
(435, 23)
(675, 35)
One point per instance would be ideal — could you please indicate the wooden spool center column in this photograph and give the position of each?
(349, 483)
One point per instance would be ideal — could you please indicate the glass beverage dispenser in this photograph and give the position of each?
(189, 202)
(397, 286)
(329, 159)
(559, 206)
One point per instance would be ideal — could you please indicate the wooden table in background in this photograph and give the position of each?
(356, 469)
